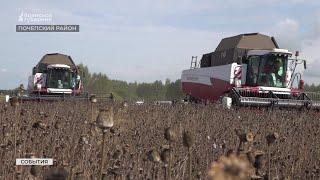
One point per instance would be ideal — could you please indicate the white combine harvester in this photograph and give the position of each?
(248, 70)
(55, 74)
(55, 77)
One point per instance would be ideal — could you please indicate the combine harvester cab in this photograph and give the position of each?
(248, 70)
(55, 75)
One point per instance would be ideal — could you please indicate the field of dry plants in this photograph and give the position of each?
(158, 142)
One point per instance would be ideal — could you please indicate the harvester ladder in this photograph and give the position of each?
(194, 62)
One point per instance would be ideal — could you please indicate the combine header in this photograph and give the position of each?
(248, 70)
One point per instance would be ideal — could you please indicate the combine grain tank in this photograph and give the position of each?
(249, 70)
(55, 74)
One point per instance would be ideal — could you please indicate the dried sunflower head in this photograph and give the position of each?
(21, 87)
(169, 134)
(232, 167)
(5, 107)
(93, 98)
(30, 155)
(117, 154)
(187, 139)
(124, 104)
(105, 118)
(271, 138)
(35, 171)
(249, 137)
(56, 173)
(154, 156)
(245, 137)
(14, 101)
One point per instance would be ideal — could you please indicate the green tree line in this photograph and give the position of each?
(122, 90)
(312, 88)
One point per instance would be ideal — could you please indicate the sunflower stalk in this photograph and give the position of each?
(102, 154)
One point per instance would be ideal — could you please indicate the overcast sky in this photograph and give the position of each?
(152, 40)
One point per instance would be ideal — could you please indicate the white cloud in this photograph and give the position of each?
(287, 34)
(3, 70)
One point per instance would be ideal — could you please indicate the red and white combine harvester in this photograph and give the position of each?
(55, 76)
(248, 70)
